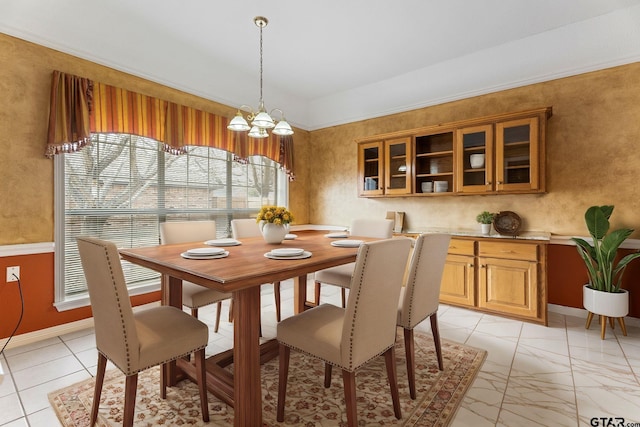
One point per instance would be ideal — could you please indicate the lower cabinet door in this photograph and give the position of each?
(458, 282)
(508, 286)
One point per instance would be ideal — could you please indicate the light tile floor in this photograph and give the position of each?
(560, 375)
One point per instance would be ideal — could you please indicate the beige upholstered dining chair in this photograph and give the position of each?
(341, 275)
(135, 341)
(419, 298)
(194, 296)
(247, 227)
(350, 337)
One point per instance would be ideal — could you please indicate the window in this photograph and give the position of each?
(122, 186)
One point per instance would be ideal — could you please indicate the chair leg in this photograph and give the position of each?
(164, 374)
(436, 339)
(201, 376)
(283, 373)
(276, 294)
(392, 374)
(409, 351)
(344, 297)
(231, 311)
(317, 293)
(97, 392)
(131, 384)
(327, 375)
(349, 380)
(218, 310)
(194, 312)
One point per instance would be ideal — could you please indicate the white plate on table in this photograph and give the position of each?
(223, 242)
(347, 243)
(290, 236)
(205, 251)
(286, 252)
(337, 235)
(304, 254)
(186, 255)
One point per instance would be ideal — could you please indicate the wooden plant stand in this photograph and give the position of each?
(603, 324)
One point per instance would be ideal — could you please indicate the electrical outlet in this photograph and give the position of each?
(12, 273)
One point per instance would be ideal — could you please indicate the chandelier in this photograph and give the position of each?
(260, 119)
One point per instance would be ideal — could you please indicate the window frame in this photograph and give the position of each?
(62, 301)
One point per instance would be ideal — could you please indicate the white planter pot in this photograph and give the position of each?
(606, 303)
(485, 228)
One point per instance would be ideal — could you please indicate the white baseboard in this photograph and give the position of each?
(44, 334)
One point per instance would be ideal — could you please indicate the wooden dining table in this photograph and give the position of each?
(241, 273)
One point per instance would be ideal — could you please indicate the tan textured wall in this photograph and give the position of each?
(26, 176)
(593, 157)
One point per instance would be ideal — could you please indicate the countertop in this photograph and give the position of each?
(525, 235)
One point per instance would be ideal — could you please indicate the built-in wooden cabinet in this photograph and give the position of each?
(497, 275)
(384, 167)
(489, 155)
(458, 278)
(434, 162)
(474, 159)
(370, 172)
(397, 166)
(518, 155)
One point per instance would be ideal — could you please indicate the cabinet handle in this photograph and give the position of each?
(483, 266)
(488, 182)
(499, 182)
(470, 265)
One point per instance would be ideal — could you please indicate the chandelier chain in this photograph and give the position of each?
(260, 63)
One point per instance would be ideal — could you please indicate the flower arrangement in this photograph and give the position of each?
(275, 215)
(485, 217)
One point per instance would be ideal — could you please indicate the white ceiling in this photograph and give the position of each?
(334, 61)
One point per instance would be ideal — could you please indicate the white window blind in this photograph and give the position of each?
(122, 186)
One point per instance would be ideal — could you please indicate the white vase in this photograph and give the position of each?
(486, 229)
(606, 303)
(273, 233)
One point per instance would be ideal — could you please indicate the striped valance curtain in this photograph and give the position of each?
(80, 106)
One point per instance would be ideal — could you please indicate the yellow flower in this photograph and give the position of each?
(275, 214)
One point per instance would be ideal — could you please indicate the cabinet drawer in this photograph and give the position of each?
(523, 251)
(461, 247)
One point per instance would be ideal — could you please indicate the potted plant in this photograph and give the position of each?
(603, 295)
(274, 223)
(485, 219)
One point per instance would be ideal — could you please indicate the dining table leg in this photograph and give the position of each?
(299, 294)
(246, 358)
(171, 295)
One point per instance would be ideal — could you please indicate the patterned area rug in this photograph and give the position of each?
(308, 403)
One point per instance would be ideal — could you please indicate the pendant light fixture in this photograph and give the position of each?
(260, 120)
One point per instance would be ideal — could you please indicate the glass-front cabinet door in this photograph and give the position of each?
(397, 166)
(517, 167)
(370, 169)
(474, 159)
